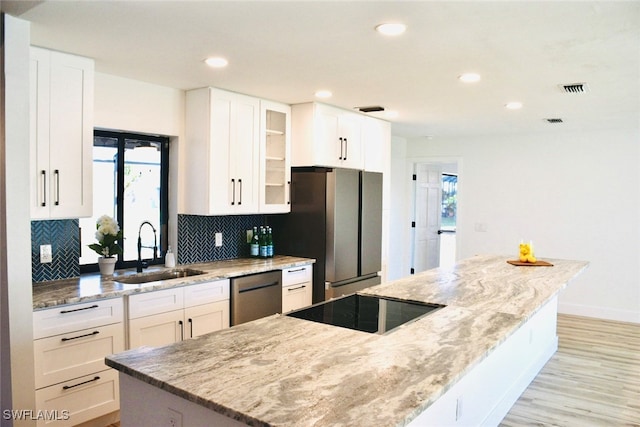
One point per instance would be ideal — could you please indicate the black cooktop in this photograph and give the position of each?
(376, 315)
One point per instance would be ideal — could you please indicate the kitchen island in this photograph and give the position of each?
(463, 364)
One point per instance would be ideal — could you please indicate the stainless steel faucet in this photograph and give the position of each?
(143, 264)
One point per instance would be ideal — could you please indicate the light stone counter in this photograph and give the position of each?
(91, 287)
(283, 371)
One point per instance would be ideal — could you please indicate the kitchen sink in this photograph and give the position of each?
(159, 275)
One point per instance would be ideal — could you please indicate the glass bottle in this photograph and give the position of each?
(263, 243)
(255, 244)
(269, 242)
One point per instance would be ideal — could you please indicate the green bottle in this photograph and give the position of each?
(255, 244)
(269, 243)
(263, 243)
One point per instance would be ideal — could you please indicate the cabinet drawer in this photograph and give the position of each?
(205, 293)
(75, 354)
(79, 400)
(295, 297)
(154, 302)
(295, 275)
(69, 318)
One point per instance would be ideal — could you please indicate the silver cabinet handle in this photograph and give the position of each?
(233, 191)
(240, 182)
(289, 193)
(341, 148)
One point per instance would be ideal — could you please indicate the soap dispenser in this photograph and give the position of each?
(169, 258)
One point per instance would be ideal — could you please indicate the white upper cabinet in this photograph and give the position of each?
(222, 153)
(62, 88)
(376, 144)
(326, 136)
(275, 157)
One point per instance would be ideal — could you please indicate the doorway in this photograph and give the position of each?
(435, 213)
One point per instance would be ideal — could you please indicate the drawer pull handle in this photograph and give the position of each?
(67, 387)
(81, 336)
(296, 270)
(79, 309)
(295, 289)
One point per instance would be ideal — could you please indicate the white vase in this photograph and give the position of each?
(107, 265)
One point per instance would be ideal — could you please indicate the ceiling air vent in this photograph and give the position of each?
(370, 109)
(554, 120)
(575, 88)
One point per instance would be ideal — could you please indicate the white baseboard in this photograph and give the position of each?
(599, 312)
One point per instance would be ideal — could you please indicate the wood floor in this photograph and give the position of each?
(592, 380)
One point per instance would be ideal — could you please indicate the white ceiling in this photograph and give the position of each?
(287, 50)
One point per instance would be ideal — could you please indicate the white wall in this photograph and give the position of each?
(135, 106)
(576, 195)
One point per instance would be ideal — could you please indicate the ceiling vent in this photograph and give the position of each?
(371, 109)
(575, 88)
(554, 120)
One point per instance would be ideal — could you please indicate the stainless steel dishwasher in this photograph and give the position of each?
(255, 296)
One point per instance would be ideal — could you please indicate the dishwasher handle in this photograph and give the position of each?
(260, 286)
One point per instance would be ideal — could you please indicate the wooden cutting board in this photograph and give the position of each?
(529, 264)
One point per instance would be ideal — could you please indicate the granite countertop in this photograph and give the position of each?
(91, 287)
(284, 371)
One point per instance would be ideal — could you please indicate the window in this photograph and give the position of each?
(449, 201)
(130, 183)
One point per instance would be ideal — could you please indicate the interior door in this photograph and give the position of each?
(426, 246)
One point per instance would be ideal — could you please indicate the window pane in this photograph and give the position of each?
(142, 180)
(105, 152)
(449, 201)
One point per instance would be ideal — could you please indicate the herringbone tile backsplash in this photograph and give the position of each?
(196, 236)
(196, 242)
(64, 238)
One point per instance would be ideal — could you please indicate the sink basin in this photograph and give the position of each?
(159, 275)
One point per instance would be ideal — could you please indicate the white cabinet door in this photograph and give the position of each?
(323, 135)
(157, 330)
(62, 88)
(275, 157)
(222, 153)
(376, 144)
(203, 319)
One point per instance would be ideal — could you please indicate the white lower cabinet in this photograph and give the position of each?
(297, 287)
(167, 316)
(73, 385)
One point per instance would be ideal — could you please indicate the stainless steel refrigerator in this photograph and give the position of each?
(336, 218)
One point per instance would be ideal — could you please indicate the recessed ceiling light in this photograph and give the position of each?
(391, 29)
(323, 94)
(216, 62)
(469, 77)
(513, 105)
